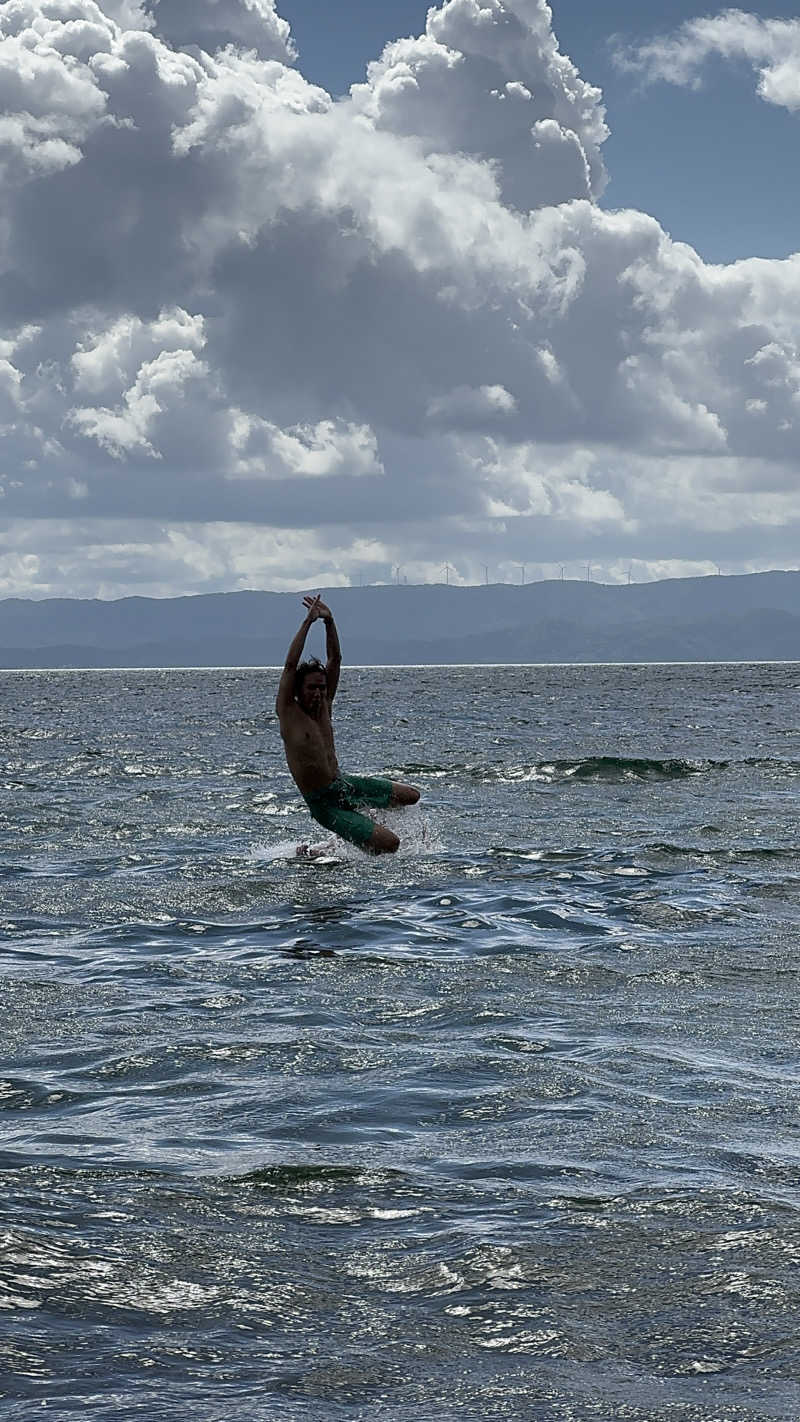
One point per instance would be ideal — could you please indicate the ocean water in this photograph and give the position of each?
(506, 1126)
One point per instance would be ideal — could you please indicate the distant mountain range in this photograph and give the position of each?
(755, 617)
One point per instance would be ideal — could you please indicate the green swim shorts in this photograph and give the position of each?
(335, 807)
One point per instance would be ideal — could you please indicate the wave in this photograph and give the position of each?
(734, 852)
(288, 1175)
(609, 767)
(600, 767)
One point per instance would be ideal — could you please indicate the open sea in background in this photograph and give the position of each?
(507, 1126)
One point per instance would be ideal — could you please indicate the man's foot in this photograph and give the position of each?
(314, 851)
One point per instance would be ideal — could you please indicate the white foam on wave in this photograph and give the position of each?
(269, 853)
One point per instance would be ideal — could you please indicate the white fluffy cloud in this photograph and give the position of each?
(212, 24)
(772, 47)
(487, 79)
(395, 321)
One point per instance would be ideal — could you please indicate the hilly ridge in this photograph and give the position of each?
(751, 617)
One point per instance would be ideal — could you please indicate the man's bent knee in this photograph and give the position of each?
(404, 794)
(382, 841)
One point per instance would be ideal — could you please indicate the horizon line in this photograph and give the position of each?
(423, 666)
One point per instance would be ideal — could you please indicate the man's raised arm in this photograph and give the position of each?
(285, 697)
(333, 651)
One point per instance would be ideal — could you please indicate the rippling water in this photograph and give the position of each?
(506, 1126)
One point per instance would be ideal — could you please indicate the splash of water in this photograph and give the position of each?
(417, 834)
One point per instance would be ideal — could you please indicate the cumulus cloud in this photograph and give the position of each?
(314, 452)
(399, 320)
(465, 406)
(95, 557)
(772, 47)
(487, 78)
(213, 24)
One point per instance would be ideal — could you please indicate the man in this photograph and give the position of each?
(303, 705)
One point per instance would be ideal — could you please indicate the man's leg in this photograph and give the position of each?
(359, 830)
(380, 794)
(404, 794)
(382, 841)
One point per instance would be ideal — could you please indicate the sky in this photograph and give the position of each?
(296, 295)
(693, 158)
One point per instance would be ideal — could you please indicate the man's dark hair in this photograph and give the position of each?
(304, 669)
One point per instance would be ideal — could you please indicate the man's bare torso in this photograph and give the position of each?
(310, 751)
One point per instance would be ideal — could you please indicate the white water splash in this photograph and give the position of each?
(413, 828)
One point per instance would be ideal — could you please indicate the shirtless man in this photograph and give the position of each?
(303, 705)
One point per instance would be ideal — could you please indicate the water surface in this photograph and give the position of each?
(505, 1126)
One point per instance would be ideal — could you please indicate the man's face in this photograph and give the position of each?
(312, 692)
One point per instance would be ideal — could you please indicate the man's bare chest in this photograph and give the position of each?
(304, 733)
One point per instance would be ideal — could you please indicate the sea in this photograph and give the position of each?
(506, 1126)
